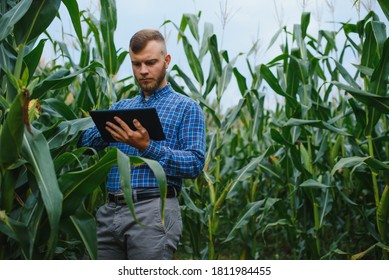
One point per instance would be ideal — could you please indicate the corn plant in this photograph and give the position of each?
(49, 188)
(275, 183)
(319, 138)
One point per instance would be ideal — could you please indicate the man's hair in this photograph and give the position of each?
(140, 39)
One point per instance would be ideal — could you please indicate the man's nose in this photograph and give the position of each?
(144, 69)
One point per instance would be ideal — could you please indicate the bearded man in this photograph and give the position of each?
(181, 154)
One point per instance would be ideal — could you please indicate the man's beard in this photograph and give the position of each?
(152, 86)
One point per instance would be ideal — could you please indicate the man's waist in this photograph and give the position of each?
(139, 194)
(139, 181)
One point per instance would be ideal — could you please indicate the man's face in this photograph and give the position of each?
(149, 67)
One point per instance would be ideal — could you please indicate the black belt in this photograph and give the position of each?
(141, 194)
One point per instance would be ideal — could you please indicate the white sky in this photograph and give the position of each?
(248, 20)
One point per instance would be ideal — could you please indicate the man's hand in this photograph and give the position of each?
(139, 138)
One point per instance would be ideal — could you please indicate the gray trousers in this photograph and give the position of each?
(120, 237)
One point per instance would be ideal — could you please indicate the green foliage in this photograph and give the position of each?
(294, 182)
(49, 188)
(306, 180)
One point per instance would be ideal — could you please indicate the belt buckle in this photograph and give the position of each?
(119, 199)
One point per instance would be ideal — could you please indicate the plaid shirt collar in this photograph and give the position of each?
(158, 93)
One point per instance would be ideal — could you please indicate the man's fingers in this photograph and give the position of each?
(137, 124)
(122, 123)
(139, 127)
(113, 133)
(121, 132)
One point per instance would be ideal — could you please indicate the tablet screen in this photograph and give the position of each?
(148, 118)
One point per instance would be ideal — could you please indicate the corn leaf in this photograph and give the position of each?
(214, 51)
(241, 80)
(370, 53)
(315, 123)
(158, 171)
(275, 37)
(225, 78)
(381, 103)
(346, 75)
(357, 161)
(305, 19)
(276, 136)
(383, 215)
(32, 216)
(310, 183)
(189, 202)
(379, 78)
(187, 80)
(108, 22)
(211, 80)
(243, 174)
(60, 79)
(193, 61)
(250, 210)
(85, 225)
(298, 36)
(36, 20)
(11, 17)
(294, 77)
(273, 83)
(385, 7)
(67, 158)
(248, 171)
(33, 58)
(362, 254)
(11, 134)
(208, 31)
(74, 14)
(66, 131)
(281, 222)
(36, 151)
(17, 231)
(125, 181)
(60, 108)
(233, 115)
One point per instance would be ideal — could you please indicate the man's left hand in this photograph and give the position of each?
(138, 138)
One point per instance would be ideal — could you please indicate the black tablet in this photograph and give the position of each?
(148, 118)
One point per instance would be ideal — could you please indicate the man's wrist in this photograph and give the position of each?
(153, 151)
(144, 147)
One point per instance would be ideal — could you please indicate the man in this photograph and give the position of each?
(181, 155)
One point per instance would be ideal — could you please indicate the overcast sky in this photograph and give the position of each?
(248, 20)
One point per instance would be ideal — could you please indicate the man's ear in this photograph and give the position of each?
(167, 60)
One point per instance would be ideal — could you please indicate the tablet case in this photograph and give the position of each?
(148, 117)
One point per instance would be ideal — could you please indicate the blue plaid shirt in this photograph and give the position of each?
(181, 155)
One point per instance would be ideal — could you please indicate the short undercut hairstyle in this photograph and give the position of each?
(140, 39)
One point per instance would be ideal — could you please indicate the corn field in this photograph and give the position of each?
(306, 180)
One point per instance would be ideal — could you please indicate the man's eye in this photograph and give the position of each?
(151, 62)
